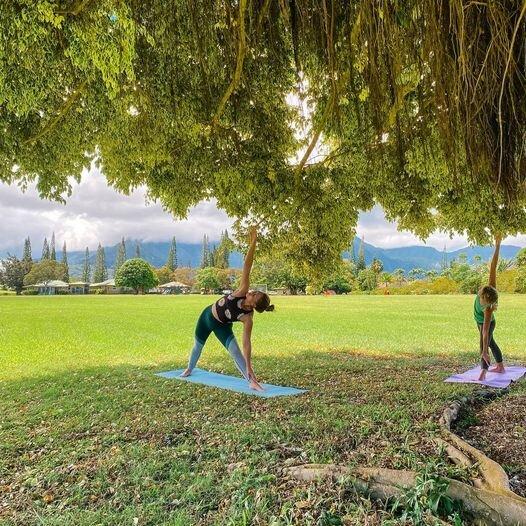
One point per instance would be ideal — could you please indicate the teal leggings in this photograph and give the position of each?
(207, 324)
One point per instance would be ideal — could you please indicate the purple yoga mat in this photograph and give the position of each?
(500, 380)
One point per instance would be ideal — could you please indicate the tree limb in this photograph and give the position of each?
(63, 111)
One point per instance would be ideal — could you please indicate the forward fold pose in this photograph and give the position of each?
(219, 317)
(486, 302)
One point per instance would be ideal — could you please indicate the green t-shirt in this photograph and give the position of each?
(478, 311)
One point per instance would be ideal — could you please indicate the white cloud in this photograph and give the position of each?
(97, 213)
(382, 233)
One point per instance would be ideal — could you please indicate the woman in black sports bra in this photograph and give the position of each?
(218, 318)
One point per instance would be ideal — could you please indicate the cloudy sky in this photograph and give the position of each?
(96, 213)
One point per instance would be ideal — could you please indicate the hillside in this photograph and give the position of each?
(189, 254)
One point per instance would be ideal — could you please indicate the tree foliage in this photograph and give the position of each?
(13, 272)
(520, 284)
(419, 105)
(100, 272)
(27, 251)
(86, 267)
(164, 275)
(45, 250)
(171, 262)
(121, 255)
(208, 279)
(65, 263)
(45, 270)
(136, 274)
(52, 248)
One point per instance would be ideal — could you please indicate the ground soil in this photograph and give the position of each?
(498, 429)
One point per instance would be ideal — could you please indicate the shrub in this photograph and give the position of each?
(507, 280)
(471, 283)
(30, 293)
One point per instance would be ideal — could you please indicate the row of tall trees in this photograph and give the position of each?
(26, 271)
(217, 256)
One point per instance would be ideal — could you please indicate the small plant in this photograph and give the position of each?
(428, 498)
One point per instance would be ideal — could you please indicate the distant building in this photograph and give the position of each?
(174, 287)
(50, 287)
(78, 287)
(106, 287)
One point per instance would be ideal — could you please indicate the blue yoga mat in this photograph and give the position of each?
(232, 383)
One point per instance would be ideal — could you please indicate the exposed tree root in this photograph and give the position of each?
(486, 507)
(492, 475)
(490, 502)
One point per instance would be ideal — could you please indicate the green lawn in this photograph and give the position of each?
(88, 435)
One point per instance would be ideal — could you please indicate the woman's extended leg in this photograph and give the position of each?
(495, 350)
(225, 335)
(202, 332)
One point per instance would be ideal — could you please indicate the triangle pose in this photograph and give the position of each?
(219, 317)
(486, 302)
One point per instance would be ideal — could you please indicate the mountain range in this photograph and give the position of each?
(189, 254)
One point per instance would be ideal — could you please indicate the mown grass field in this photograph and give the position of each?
(88, 434)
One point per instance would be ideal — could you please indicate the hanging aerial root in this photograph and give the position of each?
(241, 52)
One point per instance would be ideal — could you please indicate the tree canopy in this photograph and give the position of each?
(418, 106)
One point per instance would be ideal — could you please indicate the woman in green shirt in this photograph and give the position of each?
(486, 302)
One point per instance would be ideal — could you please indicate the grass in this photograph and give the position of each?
(88, 435)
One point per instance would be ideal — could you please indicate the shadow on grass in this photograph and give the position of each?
(113, 443)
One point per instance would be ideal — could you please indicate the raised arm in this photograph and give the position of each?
(494, 262)
(247, 266)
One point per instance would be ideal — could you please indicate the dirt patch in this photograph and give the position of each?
(498, 429)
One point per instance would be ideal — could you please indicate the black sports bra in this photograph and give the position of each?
(229, 308)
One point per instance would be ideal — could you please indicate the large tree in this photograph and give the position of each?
(100, 272)
(171, 262)
(52, 249)
(418, 106)
(136, 274)
(27, 251)
(13, 272)
(121, 255)
(86, 267)
(45, 250)
(45, 270)
(65, 263)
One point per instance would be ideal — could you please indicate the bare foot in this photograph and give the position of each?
(499, 368)
(186, 372)
(482, 376)
(255, 385)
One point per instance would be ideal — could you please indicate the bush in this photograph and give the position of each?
(30, 293)
(367, 279)
(507, 280)
(441, 285)
(471, 283)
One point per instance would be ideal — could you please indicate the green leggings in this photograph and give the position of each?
(207, 324)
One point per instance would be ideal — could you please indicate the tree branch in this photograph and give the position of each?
(63, 111)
